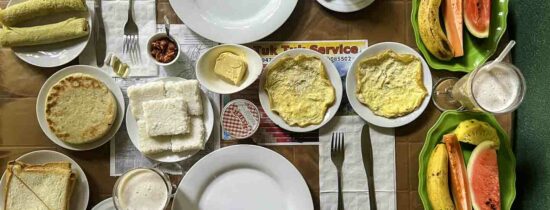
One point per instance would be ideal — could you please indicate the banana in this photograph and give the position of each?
(431, 32)
(438, 179)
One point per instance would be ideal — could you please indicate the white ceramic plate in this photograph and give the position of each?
(98, 74)
(106, 204)
(334, 78)
(81, 193)
(56, 54)
(235, 21)
(207, 61)
(243, 177)
(345, 5)
(170, 157)
(362, 110)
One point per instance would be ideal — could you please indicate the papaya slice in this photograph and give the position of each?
(452, 15)
(459, 176)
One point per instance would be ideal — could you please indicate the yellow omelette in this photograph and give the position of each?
(299, 90)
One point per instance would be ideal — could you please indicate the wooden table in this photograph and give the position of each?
(384, 20)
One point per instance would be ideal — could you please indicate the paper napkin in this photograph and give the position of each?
(354, 179)
(115, 15)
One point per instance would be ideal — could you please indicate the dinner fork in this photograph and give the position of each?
(337, 156)
(130, 44)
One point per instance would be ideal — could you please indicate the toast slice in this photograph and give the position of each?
(18, 196)
(52, 183)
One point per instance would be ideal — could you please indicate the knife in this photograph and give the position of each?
(366, 151)
(100, 43)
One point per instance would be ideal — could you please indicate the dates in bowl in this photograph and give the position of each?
(164, 50)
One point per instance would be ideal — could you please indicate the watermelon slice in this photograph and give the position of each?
(483, 177)
(452, 11)
(477, 16)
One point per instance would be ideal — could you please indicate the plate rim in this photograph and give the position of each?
(363, 111)
(77, 53)
(74, 165)
(333, 76)
(99, 75)
(209, 129)
(196, 23)
(345, 8)
(245, 149)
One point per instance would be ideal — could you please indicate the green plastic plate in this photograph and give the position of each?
(446, 123)
(476, 51)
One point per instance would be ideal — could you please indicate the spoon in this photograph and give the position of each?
(167, 26)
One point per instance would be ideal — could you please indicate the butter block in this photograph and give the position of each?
(230, 67)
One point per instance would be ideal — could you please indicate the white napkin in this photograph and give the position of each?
(115, 15)
(354, 179)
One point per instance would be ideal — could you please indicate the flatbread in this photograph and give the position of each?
(80, 109)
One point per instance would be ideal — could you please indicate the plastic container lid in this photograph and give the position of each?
(240, 118)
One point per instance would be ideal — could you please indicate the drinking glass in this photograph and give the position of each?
(496, 87)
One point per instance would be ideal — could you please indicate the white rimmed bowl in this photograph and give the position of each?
(159, 36)
(205, 68)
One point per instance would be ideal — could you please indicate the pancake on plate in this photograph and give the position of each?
(299, 90)
(80, 109)
(390, 84)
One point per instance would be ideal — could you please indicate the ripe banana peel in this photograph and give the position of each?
(431, 32)
(438, 179)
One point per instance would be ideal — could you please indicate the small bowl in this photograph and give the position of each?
(156, 37)
(207, 60)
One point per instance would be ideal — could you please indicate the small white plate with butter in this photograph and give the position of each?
(214, 82)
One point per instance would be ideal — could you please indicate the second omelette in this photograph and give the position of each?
(390, 84)
(299, 90)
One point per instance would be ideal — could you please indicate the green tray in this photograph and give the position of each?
(476, 51)
(446, 123)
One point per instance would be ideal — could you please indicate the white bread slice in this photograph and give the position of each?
(144, 92)
(191, 141)
(151, 145)
(166, 117)
(189, 90)
(20, 197)
(50, 182)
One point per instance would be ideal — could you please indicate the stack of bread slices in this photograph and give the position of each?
(40, 187)
(169, 116)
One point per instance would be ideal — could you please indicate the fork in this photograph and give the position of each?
(130, 44)
(337, 157)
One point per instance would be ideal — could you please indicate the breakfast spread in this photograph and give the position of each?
(31, 9)
(299, 90)
(80, 109)
(169, 116)
(164, 50)
(390, 84)
(71, 28)
(141, 189)
(45, 187)
(473, 185)
(230, 67)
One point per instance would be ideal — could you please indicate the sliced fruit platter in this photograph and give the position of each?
(467, 162)
(458, 35)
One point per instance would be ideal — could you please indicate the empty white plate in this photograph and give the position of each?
(364, 111)
(235, 21)
(99, 75)
(243, 177)
(168, 156)
(55, 54)
(81, 191)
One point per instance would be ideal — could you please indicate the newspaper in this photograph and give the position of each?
(340, 52)
(124, 155)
